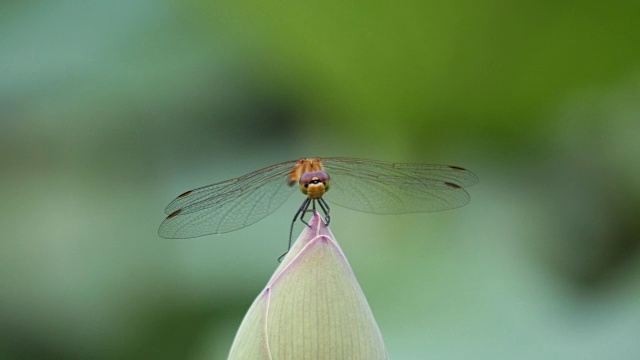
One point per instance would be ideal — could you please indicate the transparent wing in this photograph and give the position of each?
(390, 188)
(229, 205)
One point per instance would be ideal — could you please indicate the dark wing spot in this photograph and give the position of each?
(452, 185)
(174, 214)
(185, 194)
(458, 168)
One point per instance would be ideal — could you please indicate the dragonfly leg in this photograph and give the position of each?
(301, 211)
(326, 209)
(307, 210)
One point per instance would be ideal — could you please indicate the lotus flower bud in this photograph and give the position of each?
(312, 307)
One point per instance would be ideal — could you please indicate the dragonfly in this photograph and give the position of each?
(363, 185)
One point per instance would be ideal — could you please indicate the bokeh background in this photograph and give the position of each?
(108, 110)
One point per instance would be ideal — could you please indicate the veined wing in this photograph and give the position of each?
(390, 188)
(229, 205)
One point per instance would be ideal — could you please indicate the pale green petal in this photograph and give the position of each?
(251, 339)
(312, 308)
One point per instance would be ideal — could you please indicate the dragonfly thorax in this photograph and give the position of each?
(315, 184)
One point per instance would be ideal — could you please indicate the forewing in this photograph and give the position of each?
(390, 188)
(229, 205)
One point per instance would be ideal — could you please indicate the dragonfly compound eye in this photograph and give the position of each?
(314, 184)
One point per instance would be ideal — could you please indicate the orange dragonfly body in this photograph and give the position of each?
(363, 185)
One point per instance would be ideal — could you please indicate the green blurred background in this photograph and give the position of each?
(108, 110)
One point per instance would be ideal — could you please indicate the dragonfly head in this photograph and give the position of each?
(315, 184)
